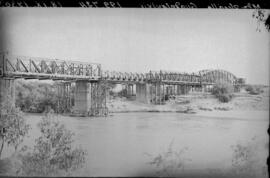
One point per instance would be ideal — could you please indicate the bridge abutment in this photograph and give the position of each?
(7, 91)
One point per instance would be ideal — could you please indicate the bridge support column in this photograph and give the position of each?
(7, 91)
(178, 90)
(129, 90)
(188, 89)
(82, 98)
(182, 89)
(64, 97)
(169, 90)
(157, 94)
(90, 99)
(203, 88)
(173, 90)
(143, 92)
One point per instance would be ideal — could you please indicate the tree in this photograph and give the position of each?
(53, 154)
(262, 17)
(36, 97)
(14, 126)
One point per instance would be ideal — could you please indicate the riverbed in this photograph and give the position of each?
(123, 144)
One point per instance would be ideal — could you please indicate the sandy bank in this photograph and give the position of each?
(243, 105)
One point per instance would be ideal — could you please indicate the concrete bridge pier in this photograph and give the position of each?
(90, 99)
(130, 90)
(182, 89)
(178, 90)
(157, 93)
(143, 92)
(174, 92)
(82, 98)
(7, 91)
(203, 88)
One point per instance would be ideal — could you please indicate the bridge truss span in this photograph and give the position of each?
(124, 77)
(212, 76)
(12, 66)
(42, 68)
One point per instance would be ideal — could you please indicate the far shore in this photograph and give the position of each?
(243, 105)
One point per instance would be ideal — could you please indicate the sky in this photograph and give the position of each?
(140, 40)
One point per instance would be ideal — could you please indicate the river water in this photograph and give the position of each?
(125, 143)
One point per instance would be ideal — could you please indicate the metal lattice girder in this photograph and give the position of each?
(41, 68)
(123, 76)
(24, 67)
(217, 75)
(152, 76)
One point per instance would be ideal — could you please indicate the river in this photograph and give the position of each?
(123, 144)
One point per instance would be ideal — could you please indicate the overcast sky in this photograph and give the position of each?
(139, 40)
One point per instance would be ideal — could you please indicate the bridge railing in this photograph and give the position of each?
(24, 67)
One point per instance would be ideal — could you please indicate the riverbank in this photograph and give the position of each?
(242, 105)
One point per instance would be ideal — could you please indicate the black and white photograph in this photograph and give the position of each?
(134, 92)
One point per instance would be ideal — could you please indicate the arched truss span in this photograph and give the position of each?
(217, 75)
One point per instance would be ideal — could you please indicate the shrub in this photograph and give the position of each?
(36, 97)
(169, 163)
(245, 161)
(12, 125)
(223, 92)
(53, 154)
(253, 90)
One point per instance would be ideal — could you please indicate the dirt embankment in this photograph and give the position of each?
(200, 103)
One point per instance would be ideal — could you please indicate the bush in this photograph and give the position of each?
(169, 163)
(53, 154)
(13, 127)
(253, 90)
(225, 98)
(36, 97)
(223, 92)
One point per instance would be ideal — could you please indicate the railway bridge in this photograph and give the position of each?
(91, 81)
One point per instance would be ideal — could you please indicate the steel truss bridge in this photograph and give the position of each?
(91, 75)
(54, 69)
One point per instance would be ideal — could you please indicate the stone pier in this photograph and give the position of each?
(7, 91)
